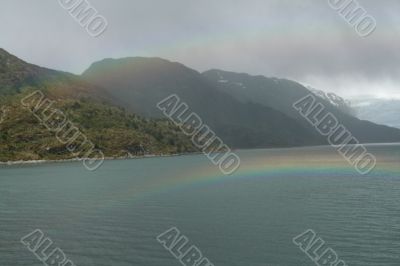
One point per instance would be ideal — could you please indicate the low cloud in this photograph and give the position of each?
(302, 40)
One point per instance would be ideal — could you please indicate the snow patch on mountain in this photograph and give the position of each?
(334, 99)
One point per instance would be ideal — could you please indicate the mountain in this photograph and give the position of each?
(113, 104)
(335, 100)
(111, 129)
(380, 111)
(17, 75)
(280, 94)
(138, 84)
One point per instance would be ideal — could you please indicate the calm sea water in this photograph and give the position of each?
(113, 215)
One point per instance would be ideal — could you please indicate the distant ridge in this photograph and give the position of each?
(114, 103)
(280, 94)
(248, 111)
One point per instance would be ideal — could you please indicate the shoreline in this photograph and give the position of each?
(147, 156)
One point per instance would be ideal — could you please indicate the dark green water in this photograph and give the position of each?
(113, 215)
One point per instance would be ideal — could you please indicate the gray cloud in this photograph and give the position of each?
(304, 40)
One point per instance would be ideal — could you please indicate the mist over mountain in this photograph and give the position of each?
(334, 99)
(138, 84)
(246, 111)
(114, 104)
(237, 128)
(280, 94)
(380, 111)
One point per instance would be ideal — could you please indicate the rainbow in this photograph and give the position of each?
(205, 173)
(208, 174)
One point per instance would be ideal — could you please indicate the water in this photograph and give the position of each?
(113, 215)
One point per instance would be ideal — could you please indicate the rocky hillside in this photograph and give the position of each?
(111, 129)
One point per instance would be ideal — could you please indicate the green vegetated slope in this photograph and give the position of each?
(111, 129)
(114, 131)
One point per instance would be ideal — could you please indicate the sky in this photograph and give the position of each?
(304, 40)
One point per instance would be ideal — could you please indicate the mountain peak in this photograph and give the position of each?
(16, 73)
(4, 52)
(133, 59)
(8, 61)
(135, 63)
(140, 69)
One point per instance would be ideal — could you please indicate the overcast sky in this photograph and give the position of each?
(304, 40)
